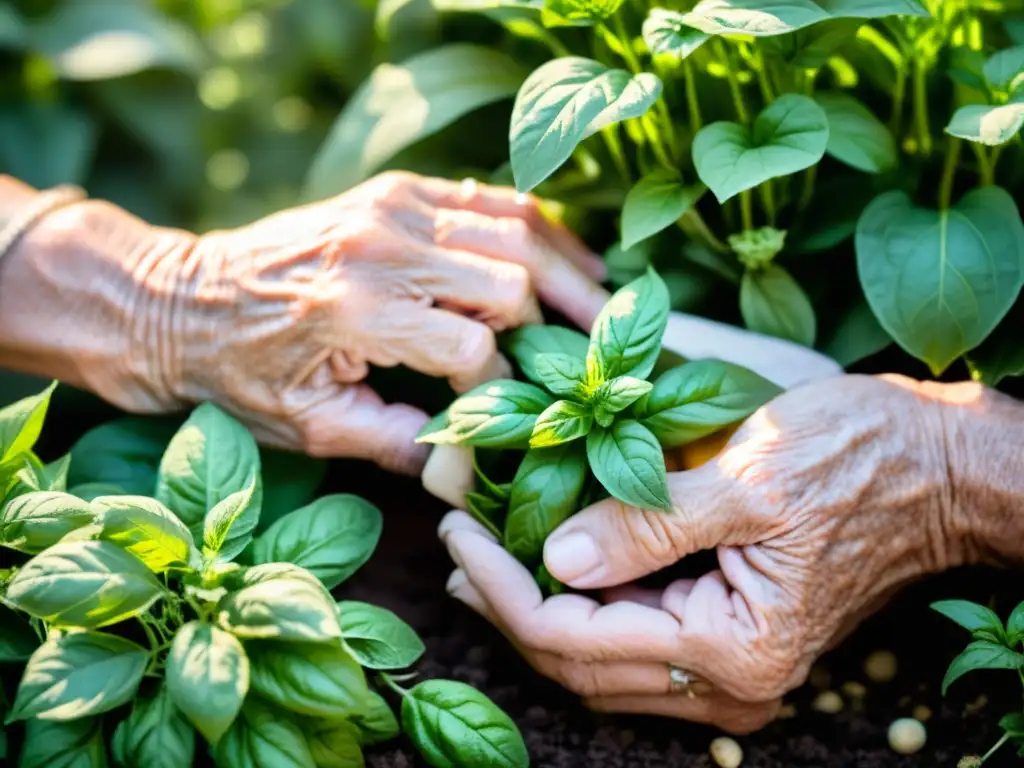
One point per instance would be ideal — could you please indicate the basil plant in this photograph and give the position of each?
(591, 422)
(144, 620)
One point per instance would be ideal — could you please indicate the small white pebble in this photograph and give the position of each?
(829, 702)
(907, 736)
(922, 713)
(726, 752)
(969, 761)
(880, 666)
(854, 690)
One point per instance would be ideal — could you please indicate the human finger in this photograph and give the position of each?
(505, 202)
(711, 708)
(613, 543)
(557, 280)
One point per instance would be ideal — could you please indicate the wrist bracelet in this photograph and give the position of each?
(45, 203)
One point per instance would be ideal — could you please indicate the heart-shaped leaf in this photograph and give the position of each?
(565, 101)
(788, 136)
(666, 34)
(1004, 70)
(986, 124)
(763, 18)
(855, 136)
(940, 281)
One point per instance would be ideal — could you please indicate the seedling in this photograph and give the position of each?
(993, 646)
(590, 422)
(152, 618)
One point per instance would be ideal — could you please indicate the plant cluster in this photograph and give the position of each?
(841, 174)
(150, 618)
(591, 422)
(993, 646)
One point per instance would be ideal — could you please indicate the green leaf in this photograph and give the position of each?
(858, 335)
(699, 398)
(290, 481)
(811, 47)
(148, 530)
(624, 266)
(855, 136)
(377, 637)
(526, 343)
(76, 674)
(34, 521)
(968, 615)
(311, 680)
(210, 458)
(666, 34)
(773, 303)
(577, 13)
(763, 18)
(562, 422)
(401, 104)
(17, 640)
(454, 725)
(981, 654)
(376, 722)
(790, 135)
(63, 744)
(617, 394)
(228, 527)
(42, 477)
(940, 281)
(207, 677)
(332, 538)
(562, 103)
(562, 375)
(47, 144)
(261, 737)
(989, 125)
(486, 511)
(545, 492)
(1004, 70)
(1015, 625)
(125, 452)
(155, 734)
(498, 414)
(104, 39)
(21, 423)
(629, 463)
(1001, 355)
(626, 337)
(83, 584)
(280, 604)
(14, 32)
(657, 201)
(335, 744)
(1013, 724)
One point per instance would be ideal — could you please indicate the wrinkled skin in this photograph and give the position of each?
(824, 502)
(279, 321)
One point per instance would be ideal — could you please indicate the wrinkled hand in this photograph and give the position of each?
(280, 321)
(821, 505)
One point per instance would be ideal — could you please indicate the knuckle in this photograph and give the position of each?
(475, 347)
(512, 284)
(655, 535)
(581, 679)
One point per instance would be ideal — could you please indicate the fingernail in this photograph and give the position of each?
(572, 556)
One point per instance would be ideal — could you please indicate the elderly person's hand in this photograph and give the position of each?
(821, 505)
(279, 321)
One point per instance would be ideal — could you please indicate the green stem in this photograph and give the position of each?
(746, 210)
(807, 194)
(768, 201)
(153, 642)
(390, 681)
(985, 167)
(611, 139)
(693, 224)
(553, 43)
(899, 98)
(924, 134)
(998, 744)
(627, 44)
(949, 173)
(734, 83)
(762, 79)
(692, 100)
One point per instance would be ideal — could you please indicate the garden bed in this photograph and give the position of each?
(408, 575)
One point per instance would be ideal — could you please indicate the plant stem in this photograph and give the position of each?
(768, 201)
(153, 642)
(692, 100)
(734, 83)
(693, 224)
(998, 744)
(390, 681)
(611, 139)
(949, 172)
(762, 79)
(899, 96)
(924, 134)
(746, 210)
(985, 167)
(807, 194)
(626, 41)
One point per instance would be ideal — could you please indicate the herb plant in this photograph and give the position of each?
(150, 618)
(591, 422)
(993, 646)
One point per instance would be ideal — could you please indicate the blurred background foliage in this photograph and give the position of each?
(208, 113)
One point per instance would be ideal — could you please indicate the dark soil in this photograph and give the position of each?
(408, 574)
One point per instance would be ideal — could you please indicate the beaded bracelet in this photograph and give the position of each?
(44, 204)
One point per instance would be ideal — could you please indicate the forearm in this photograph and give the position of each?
(73, 293)
(985, 447)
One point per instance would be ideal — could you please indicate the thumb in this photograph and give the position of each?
(354, 422)
(612, 543)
